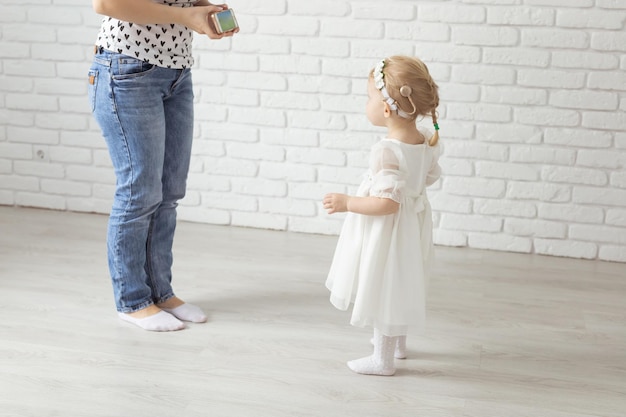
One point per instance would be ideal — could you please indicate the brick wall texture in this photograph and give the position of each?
(532, 116)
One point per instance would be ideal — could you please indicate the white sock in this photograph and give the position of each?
(188, 312)
(381, 362)
(400, 352)
(159, 322)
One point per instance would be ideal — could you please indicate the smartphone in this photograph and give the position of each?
(224, 21)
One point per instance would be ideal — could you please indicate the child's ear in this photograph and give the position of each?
(387, 110)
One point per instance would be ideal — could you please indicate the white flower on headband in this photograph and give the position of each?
(379, 82)
(379, 77)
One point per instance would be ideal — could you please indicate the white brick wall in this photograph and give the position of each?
(533, 116)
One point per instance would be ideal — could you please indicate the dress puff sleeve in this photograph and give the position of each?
(386, 178)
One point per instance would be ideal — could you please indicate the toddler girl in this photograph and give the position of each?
(383, 252)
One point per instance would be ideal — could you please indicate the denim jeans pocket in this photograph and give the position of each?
(125, 67)
(92, 87)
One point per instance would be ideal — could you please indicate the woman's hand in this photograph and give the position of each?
(201, 23)
(336, 203)
(197, 19)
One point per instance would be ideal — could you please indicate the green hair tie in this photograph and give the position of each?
(436, 126)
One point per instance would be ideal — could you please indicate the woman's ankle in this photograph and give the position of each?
(171, 303)
(151, 310)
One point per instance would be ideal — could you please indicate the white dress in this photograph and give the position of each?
(381, 262)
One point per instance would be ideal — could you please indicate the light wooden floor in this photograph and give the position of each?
(509, 335)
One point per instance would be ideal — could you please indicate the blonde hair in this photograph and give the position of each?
(421, 98)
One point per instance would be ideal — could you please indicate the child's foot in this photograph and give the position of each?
(400, 351)
(159, 322)
(381, 361)
(370, 366)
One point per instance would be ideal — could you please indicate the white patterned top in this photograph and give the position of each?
(163, 45)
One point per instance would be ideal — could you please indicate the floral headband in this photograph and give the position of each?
(379, 82)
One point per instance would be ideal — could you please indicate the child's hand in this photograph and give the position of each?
(336, 203)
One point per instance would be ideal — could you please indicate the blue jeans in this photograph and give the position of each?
(146, 116)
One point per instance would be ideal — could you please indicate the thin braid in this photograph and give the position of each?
(433, 141)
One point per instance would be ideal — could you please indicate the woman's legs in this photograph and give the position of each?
(178, 108)
(146, 115)
(177, 115)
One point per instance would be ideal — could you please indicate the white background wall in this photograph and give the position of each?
(533, 116)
